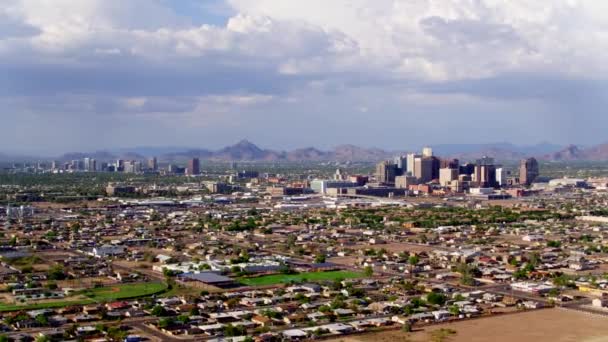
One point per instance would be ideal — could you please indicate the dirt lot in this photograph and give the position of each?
(555, 325)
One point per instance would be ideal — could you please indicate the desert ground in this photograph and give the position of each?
(555, 325)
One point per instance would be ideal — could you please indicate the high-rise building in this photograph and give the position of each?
(401, 162)
(435, 166)
(528, 171)
(153, 164)
(386, 172)
(427, 152)
(423, 169)
(502, 174)
(467, 169)
(411, 157)
(194, 167)
(485, 173)
(447, 175)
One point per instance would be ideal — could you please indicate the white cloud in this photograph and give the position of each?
(278, 58)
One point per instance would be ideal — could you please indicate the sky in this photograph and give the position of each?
(85, 75)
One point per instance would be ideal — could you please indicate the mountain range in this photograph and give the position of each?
(245, 150)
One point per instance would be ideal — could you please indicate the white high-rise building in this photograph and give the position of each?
(501, 176)
(411, 157)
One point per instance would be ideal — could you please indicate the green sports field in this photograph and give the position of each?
(300, 277)
(125, 291)
(96, 295)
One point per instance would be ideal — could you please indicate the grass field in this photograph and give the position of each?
(300, 277)
(125, 291)
(102, 294)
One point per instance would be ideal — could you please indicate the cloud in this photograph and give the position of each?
(267, 63)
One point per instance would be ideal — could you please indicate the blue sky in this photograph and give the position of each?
(81, 75)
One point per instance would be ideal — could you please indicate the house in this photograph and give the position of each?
(294, 334)
(338, 328)
(441, 315)
(211, 329)
(343, 312)
(295, 318)
(108, 251)
(117, 306)
(261, 320)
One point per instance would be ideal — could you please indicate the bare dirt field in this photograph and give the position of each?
(555, 325)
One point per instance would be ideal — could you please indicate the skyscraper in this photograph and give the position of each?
(153, 164)
(427, 152)
(411, 157)
(401, 162)
(423, 169)
(386, 172)
(528, 171)
(485, 173)
(194, 167)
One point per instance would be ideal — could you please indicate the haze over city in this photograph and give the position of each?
(97, 74)
(303, 170)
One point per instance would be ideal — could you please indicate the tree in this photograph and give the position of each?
(56, 273)
(468, 273)
(436, 298)
(158, 311)
(42, 320)
(165, 322)
(368, 271)
(319, 259)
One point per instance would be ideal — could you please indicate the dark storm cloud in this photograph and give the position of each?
(139, 79)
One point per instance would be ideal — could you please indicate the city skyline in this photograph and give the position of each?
(88, 75)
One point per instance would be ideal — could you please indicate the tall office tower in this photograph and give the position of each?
(54, 165)
(427, 152)
(423, 169)
(87, 162)
(194, 167)
(485, 172)
(137, 166)
(120, 165)
(386, 172)
(411, 157)
(128, 166)
(502, 174)
(92, 165)
(528, 171)
(436, 165)
(153, 164)
(401, 162)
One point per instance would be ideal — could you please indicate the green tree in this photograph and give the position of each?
(368, 271)
(436, 298)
